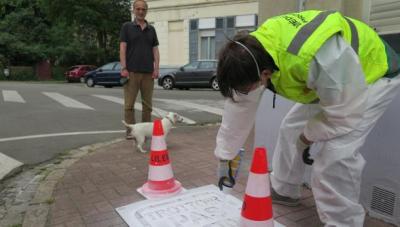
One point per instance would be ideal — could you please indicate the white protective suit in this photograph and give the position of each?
(339, 124)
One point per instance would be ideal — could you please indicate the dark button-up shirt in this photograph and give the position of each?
(139, 50)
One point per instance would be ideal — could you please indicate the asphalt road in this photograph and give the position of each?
(38, 121)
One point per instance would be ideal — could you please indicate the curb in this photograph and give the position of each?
(39, 207)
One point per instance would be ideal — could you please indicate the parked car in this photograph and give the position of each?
(76, 72)
(197, 74)
(164, 69)
(108, 75)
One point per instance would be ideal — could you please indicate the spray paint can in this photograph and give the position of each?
(226, 183)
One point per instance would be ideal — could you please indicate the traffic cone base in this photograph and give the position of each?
(244, 222)
(148, 190)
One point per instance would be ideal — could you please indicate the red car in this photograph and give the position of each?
(76, 72)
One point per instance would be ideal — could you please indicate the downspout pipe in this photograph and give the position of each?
(301, 5)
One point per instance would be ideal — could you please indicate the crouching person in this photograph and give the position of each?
(342, 77)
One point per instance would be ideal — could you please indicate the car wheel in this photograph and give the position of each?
(168, 83)
(214, 84)
(90, 82)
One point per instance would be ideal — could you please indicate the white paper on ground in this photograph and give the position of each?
(198, 207)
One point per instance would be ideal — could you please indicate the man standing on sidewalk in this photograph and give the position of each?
(139, 57)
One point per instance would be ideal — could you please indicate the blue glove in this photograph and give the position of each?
(228, 171)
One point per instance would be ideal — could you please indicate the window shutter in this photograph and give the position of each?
(385, 16)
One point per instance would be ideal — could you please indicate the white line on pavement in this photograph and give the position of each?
(59, 134)
(7, 165)
(12, 96)
(138, 106)
(66, 101)
(205, 108)
(111, 98)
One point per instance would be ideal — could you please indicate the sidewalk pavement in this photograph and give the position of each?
(89, 183)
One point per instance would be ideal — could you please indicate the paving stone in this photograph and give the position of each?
(91, 182)
(36, 216)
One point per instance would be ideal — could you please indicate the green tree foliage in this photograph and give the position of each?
(22, 32)
(65, 31)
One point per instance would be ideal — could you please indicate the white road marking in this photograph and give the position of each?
(7, 165)
(138, 106)
(59, 134)
(204, 108)
(111, 98)
(12, 96)
(66, 101)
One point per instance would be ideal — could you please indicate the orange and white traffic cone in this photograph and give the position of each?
(257, 203)
(161, 181)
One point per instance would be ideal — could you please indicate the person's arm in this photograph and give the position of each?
(122, 59)
(122, 50)
(156, 55)
(339, 81)
(237, 121)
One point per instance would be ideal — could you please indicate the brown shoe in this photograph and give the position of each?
(129, 135)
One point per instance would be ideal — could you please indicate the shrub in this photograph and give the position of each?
(20, 73)
(57, 72)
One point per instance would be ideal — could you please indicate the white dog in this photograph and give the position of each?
(145, 129)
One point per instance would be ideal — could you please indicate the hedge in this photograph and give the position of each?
(27, 73)
(19, 73)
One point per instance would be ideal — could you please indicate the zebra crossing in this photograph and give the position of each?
(50, 105)
(138, 106)
(66, 101)
(13, 96)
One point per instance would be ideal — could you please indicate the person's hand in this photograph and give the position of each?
(228, 171)
(303, 146)
(156, 73)
(124, 72)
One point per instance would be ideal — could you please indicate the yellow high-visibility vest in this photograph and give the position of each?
(293, 39)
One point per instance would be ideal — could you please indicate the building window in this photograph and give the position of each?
(230, 22)
(245, 21)
(207, 47)
(193, 24)
(220, 23)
